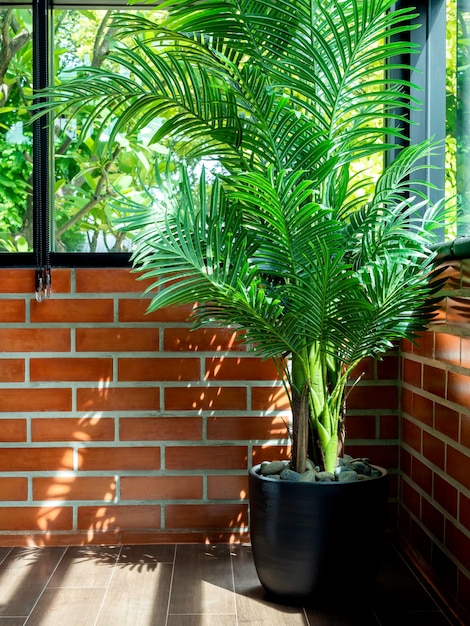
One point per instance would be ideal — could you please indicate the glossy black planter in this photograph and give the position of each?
(308, 538)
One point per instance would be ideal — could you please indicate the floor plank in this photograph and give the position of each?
(202, 581)
(71, 606)
(139, 590)
(24, 574)
(186, 585)
(253, 607)
(202, 620)
(85, 566)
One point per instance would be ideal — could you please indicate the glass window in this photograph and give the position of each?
(16, 224)
(84, 180)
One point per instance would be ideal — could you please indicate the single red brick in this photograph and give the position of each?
(269, 452)
(119, 458)
(74, 488)
(61, 280)
(457, 466)
(360, 426)
(13, 310)
(204, 339)
(160, 428)
(269, 399)
(434, 380)
(36, 459)
(227, 487)
(161, 487)
(34, 340)
(12, 488)
(464, 511)
(388, 427)
(465, 355)
(457, 388)
(373, 397)
(117, 339)
(412, 372)
(72, 429)
(13, 430)
(446, 421)
(118, 399)
(433, 519)
(240, 368)
(158, 369)
(425, 345)
(205, 457)
(12, 370)
(421, 475)
(32, 399)
(205, 398)
(465, 430)
(405, 462)
(411, 499)
(71, 369)
(134, 517)
(246, 428)
(383, 454)
(447, 348)
(434, 449)
(17, 280)
(136, 311)
(72, 310)
(407, 397)
(423, 409)
(108, 280)
(388, 368)
(34, 518)
(206, 516)
(406, 346)
(411, 434)
(445, 494)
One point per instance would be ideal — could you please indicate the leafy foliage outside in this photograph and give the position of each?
(87, 178)
(84, 211)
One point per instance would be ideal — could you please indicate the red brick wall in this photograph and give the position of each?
(117, 426)
(435, 455)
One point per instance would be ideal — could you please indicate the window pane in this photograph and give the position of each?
(15, 130)
(463, 116)
(458, 116)
(89, 178)
(86, 178)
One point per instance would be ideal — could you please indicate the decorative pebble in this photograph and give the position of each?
(289, 474)
(308, 477)
(361, 468)
(348, 470)
(348, 476)
(325, 477)
(275, 467)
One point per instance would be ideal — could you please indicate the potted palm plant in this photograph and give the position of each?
(301, 231)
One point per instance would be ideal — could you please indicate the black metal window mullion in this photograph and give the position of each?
(41, 150)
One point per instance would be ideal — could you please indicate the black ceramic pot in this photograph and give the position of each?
(310, 538)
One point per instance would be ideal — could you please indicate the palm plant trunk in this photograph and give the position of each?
(301, 427)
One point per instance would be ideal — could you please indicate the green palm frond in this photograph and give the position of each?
(291, 243)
